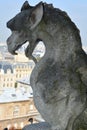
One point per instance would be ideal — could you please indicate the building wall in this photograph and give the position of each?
(22, 70)
(17, 113)
(20, 57)
(9, 79)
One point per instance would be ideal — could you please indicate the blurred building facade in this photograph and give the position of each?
(10, 73)
(16, 108)
(17, 113)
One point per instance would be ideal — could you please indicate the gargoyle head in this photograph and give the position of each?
(22, 25)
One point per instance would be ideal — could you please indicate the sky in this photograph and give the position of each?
(76, 9)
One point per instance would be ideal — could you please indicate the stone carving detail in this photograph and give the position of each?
(59, 79)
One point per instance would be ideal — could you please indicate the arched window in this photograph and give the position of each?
(30, 120)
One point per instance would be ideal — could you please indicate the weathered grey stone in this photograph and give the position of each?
(38, 126)
(59, 79)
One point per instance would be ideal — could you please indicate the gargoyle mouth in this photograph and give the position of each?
(16, 47)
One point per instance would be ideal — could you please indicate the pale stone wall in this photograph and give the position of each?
(17, 113)
(21, 58)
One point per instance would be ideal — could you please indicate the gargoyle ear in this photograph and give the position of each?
(36, 15)
(25, 6)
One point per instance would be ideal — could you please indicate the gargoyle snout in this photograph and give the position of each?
(10, 24)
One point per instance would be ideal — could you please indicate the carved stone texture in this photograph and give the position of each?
(59, 79)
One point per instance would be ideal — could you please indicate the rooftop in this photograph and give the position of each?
(11, 95)
(6, 66)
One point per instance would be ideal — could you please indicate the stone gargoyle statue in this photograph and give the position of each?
(59, 79)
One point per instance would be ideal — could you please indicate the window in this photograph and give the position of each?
(30, 120)
(4, 85)
(31, 107)
(16, 111)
